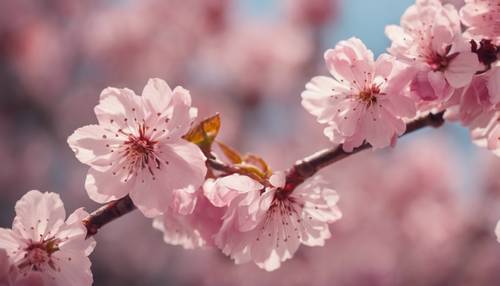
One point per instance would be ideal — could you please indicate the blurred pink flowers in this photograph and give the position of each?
(42, 242)
(364, 100)
(430, 40)
(267, 226)
(137, 143)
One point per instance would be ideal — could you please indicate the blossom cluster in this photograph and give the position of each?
(148, 148)
(431, 66)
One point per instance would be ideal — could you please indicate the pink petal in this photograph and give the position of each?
(118, 108)
(157, 95)
(103, 187)
(91, 145)
(461, 69)
(38, 213)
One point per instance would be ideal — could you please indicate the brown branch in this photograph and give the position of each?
(296, 175)
(307, 167)
(107, 213)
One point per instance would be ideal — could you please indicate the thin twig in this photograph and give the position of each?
(307, 167)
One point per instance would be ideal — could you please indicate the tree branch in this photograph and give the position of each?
(108, 213)
(307, 167)
(296, 175)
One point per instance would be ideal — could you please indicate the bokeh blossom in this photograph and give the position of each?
(43, 242)
(364, 100)
(137, 147)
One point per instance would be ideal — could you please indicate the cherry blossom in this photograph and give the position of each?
(482, 17)
(365, 98)
(430, 40)
(137, 147)
(265, 225)
(195, 229)
(46, 248)
(471, 102)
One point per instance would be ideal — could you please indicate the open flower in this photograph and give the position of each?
(365, 98)
(46, 248)
(265, 225)
(477, 101)
(137, 147)
(430, 40)
(482, 17)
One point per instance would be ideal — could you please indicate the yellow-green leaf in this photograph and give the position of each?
(204, 133)
(259, 163)
(232, 155)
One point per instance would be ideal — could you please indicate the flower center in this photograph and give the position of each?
(39, 254)
(439, 62)
(369, 95)
(140, 153)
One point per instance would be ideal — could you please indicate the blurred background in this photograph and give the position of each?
(420, 214)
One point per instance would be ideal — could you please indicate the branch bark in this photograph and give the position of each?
(296, 175)
(307, 167)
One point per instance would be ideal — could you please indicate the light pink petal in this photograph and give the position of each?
(422, 88)
(185, 167)
(151, 196)
(92, 146)
(73, 234)
(225, 189)
(9, 240)
(119, 109)
(494, 85)
(384, 65)
(74, 268)
(38, 214)
(439, 84)
(461, 69)
(184, 200)
(157, 95)
(103, 187)
(181, 114)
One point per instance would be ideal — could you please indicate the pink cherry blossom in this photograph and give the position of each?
(482, 17)
(471, 102)
(430, 40)
(195, 229)
(41, 241)
(365, 98)
(478, 108)
(137, 147)
(266, 226)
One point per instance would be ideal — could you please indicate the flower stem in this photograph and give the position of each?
(107, 213)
